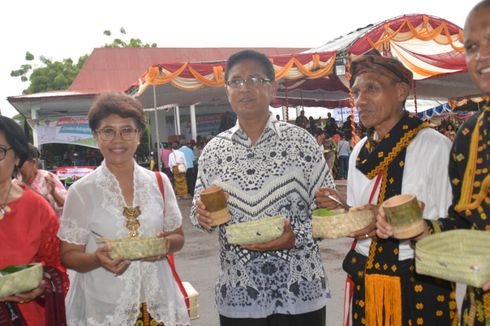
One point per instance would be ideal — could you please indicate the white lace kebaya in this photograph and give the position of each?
(95, 203)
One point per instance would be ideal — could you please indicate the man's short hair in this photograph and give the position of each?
(251, 55)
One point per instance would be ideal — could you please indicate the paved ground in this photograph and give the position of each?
(198, 264)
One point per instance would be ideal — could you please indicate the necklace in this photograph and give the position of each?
(132, 224)
(4, 208)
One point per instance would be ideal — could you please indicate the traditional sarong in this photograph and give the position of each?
(181, 189)
(388, 291)
(145, 319)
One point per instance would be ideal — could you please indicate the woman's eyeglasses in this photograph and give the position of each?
(3, 152)
(126, 133)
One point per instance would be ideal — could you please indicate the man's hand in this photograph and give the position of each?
(323, 200)
(285, 242)
(370, 230)
(203, 216)
(384, 229)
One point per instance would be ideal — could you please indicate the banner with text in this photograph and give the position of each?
(65, 130)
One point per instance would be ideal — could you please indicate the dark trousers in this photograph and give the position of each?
(314, 318)
(343, 166)
(191, 181)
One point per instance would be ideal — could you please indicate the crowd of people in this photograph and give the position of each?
(266, 167)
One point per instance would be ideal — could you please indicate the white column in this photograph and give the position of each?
(193, 121)
(298, 111)
(177, 120)
(34, 116)
(157, 131)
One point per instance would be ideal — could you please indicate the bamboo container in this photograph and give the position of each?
(215, 201)
(404, 214)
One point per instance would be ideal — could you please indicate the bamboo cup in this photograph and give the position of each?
(215, 201)
(405, 216)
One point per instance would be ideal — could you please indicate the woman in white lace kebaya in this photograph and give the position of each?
(120, 199)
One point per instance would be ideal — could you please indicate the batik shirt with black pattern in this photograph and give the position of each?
(279, 174)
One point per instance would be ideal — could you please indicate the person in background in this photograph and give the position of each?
(469, 163)
(28, 227)
(164, 157)
(268, 168)
(278, 117)
(301, 120)
(320, 139)
(43, 182)
(343, 152)
(120, 200)
(400, 155)
(189, 162)
(175, 159)
(331, 125)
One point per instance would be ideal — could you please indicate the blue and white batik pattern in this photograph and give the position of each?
(278, 175)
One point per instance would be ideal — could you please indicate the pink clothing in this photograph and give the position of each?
(164, 154)
(40, 186)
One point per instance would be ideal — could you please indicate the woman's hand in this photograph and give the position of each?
(50, 184)
(486, 286)
(174, 241)
(285, 242)
(166, 244)
(323, 200)
(116, 266)
(27, 296)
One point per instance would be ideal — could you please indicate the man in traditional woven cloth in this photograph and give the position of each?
(469, 162)
(399, 155)
(268, 168)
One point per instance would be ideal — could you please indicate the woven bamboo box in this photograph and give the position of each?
(257, 231)
(137, 248)
(459, 256)
(20, 278)
(193, 297)
(335, 224)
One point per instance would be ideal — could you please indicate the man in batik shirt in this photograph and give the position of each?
(267, 167)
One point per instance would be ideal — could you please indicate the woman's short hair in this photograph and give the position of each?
(15, 137)
(120, 104)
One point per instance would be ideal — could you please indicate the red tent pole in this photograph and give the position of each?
(351, 104)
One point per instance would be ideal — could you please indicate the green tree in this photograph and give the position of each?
(49, 75)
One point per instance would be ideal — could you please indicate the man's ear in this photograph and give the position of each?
(403, 90)
(275, 87)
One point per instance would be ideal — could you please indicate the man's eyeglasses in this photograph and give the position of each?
(3, 152)
(252, 82)
(126, 133)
